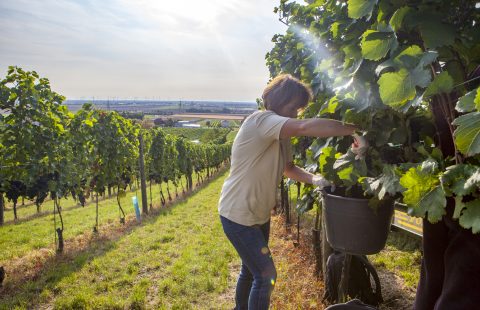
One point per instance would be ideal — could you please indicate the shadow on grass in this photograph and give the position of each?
(27, 280)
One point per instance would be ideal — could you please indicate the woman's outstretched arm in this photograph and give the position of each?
(316, 127)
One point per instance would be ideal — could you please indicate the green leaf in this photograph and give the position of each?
(12, 96)
(304, 204)
(326, 160)
(330, 107)
(421, 77)
(436, 34)
(429, 166)
(350, 169)
(428, 57)
(455, 179)
(424, 195)
(470, 217)
(360, 8)
(432, 204)
(459, 206)
(88, 123)
(60, 127)
(467, 103)
(346, 174)
(396, 87)
(467, 134)
(397, 18)
(443, 83)
(387, 183)
(334, 29)
(411, 57)
(474, 180)
(477, 100)
(375, 44)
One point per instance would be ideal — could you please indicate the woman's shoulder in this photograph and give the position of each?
(260, 114)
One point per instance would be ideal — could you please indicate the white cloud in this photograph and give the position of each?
(144, 48)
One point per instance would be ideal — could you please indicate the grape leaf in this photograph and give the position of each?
(397, 18)
(396, 87)
(466, 103)
(459, 206)
(467, 135)
(443, 83)
(470, 217)
(375, 44)
(455, 179)
(387, 183)
(435, 33)
(360, 8)
(424, 195)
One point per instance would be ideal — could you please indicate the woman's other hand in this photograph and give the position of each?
(359, 146)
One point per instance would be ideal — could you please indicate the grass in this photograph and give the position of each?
(17, 239)
(177, 260)
(402, 256)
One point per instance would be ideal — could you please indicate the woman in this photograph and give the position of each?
(261, 153)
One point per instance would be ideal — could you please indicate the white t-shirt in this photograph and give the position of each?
(257, 164)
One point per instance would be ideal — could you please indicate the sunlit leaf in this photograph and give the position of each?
(397, 18)
(423, 193)
(396, 87)
(375, 44)
(360, 8)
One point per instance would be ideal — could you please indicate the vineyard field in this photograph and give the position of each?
(204, 135)
(37, 233)
(179, 259)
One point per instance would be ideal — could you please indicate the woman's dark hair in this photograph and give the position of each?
(285, 89)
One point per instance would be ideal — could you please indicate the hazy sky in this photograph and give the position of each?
(167, 49)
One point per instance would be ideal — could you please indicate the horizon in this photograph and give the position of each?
(158, 100)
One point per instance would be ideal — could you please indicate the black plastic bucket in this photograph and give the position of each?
(355, 228)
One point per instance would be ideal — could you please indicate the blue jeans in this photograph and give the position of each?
(258, 274)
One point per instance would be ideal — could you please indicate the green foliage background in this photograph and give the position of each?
(400, 70)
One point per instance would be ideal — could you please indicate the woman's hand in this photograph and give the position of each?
(359, 146)
(320, 181)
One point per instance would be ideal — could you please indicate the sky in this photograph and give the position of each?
(144, 49)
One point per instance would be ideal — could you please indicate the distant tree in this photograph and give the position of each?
(169, 122)
(159, 122)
